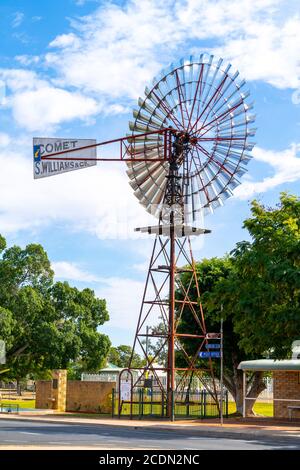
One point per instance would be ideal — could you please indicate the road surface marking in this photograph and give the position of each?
(10, 440)
(60, 443)
(31, 433)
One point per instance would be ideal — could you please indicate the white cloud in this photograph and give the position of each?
(18, 80)
(124, 297)
(65, 40)
(142, 267)
(49, 106)
(18, 18)
(4, 139)
(269, 52)
(80, 3)
(37, 105)
(110, 54)
(97, 200)
(109, 57)
(286, 167)
(22, 37)
(72, 272)
(117, 49)
(27, 59)
(35, 19)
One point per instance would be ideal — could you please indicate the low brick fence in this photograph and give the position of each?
(89, 397)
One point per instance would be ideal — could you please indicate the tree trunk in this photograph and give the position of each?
(238, 396)
(254, 386)
(235, 387)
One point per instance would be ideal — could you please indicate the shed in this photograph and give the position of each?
(286, 388)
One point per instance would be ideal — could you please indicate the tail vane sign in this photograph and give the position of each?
(48, 146)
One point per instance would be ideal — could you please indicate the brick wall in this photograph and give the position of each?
(286, 385)
(43, 394)
(75, 395)
(89, 396)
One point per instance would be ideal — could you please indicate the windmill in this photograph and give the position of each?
(188, 145)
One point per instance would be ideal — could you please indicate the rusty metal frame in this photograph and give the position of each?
(128, 147)
(171, 313)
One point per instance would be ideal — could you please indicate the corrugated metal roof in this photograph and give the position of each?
(110, 365)
(270, 364)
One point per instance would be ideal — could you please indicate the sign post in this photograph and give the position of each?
(221, 371)
(215, 351)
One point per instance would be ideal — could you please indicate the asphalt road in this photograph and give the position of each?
(24, 433)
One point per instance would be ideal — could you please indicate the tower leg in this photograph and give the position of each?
(170, 349)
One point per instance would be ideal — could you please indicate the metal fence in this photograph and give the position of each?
(148, 403)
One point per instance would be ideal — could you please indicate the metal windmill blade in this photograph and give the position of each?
(206, 102)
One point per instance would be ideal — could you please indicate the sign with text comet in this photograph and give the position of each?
(64, 160)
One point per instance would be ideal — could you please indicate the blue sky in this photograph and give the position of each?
(75, 68)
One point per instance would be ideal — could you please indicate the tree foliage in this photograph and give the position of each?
(258, 286)
(120, 356)
(46, 325)
(264, 289)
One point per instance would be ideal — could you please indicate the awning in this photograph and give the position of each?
(270, 364)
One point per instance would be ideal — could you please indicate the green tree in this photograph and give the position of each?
(210, 274)
(266, 284)
(157, 349)
(121, 355)
(47, 325)
(2, 243)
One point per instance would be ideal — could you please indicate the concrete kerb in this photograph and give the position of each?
(228, 430)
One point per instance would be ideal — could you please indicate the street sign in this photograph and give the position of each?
(46, 146)
(125, 391)
(213, 346)
(206, 354)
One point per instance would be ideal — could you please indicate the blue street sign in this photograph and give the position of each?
(206, 354)
(213, 346)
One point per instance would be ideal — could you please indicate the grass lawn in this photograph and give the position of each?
(264, 409)
(260, 408)
(22, 403)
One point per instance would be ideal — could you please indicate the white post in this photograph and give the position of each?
(244, 394)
